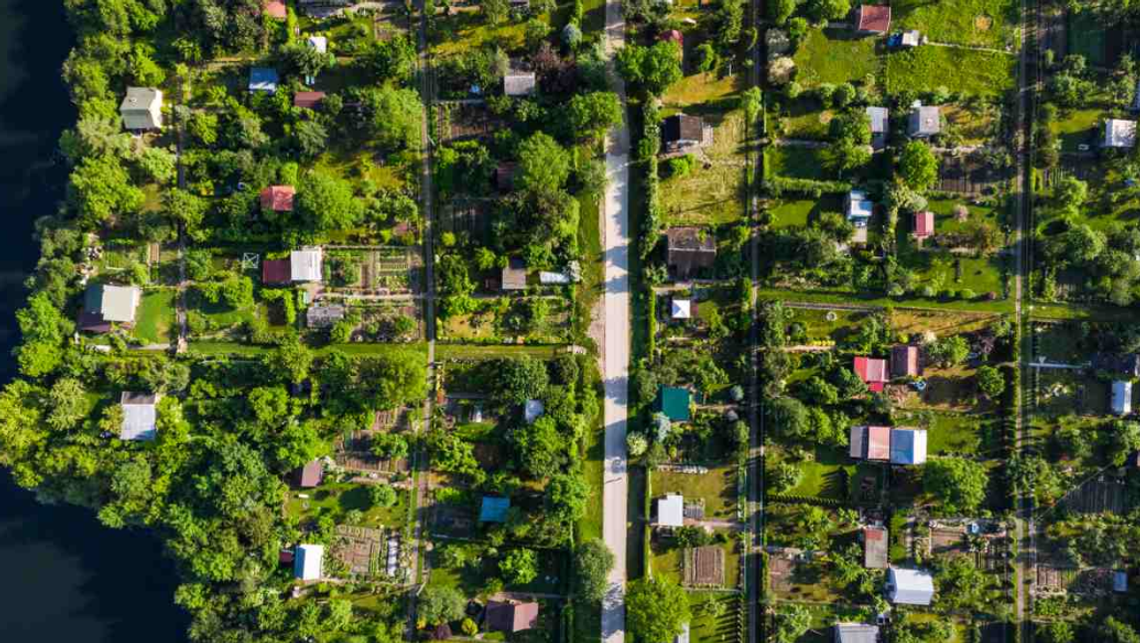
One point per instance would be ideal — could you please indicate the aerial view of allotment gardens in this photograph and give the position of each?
(567, 321)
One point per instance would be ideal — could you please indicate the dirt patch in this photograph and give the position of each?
(983, 23)
(704, 566)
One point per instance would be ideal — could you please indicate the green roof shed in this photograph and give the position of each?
(673, 401)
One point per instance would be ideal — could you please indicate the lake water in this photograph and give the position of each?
(66, 579)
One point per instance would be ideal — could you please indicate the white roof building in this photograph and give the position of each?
(910, 586)
(140, 416)
(320, 43)
(546, 277)
(856, 633)
(519, 83)
(682, 309)
(858, 208)
(120, 303)
(1119, 134)
(305, 265)
(911, 38)
(307, 562)
(671, 511)
(532, 410)
(1121, 397)
(142, 108)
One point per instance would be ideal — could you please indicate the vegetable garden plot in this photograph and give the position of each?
(470, 217)
(1096, 497)
(353, 449)
(465, 120)
(968, 175)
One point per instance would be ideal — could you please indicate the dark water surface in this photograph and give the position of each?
(66, 579)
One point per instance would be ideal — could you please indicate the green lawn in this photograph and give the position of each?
(796, 162)
(1078, 126)
(797, 213)
(982, 23)
(966, 71)
(710, 195)
(835, 56)
(943, 270)
(465, 31)
(823, 477)
(717, 488)
(706, 626)
(338, 498)
(156, 316)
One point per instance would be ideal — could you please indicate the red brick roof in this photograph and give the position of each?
(872, 370)
(308, 99)
(278, 198)
(276, 271)
(874, 18)
(276, 9)
(923, 224)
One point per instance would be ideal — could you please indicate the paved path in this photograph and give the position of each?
(616, 233)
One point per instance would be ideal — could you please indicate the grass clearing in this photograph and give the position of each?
(965, 71)
(715, 194)
(1078, 127)
(796, 162)
(979, 23)
(338, 498)
(155, 316)
(835, 56)
(717, 488)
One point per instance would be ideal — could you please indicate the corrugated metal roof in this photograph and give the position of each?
(307, 564)
(305, 265)
(671, 511)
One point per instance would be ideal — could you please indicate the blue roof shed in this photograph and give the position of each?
(262, 79)
(494, 509)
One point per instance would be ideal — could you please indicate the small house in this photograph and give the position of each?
(308, 100)
(671, 511)
(514, 274)
(880, 126)
(1127, 364)
(305, 264)
(1121, 397)
(520, 5)
(1120, 581)
(1119, 134)
(505, 176)
(858, 208)
(320, 43)
(518, 83)
(908, 446)
(681, 309)
(856, 633)
(873, 19)
(141, 109)
(324, 316)
(105, 305)
(910, 39)
(278, 198)
(307, 562)
(672, 35)
(682, 132)
(910, 586)
(924, 121)
(309, 475)
(276, 9)
(870, 443)
(673, 401)
(532, 410)
(511, 616)
(494, 509)
(873, 372)
(140, 416)
(689, 250)
(263, 79)
(875, 547)
(549, 278)
(905, 361)
(923, 224)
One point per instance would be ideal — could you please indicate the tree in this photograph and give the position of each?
(780, 10)
(959, 483)
(1122, 441)
(495, 11)
(519, 566)
(786, 477)
(395, 115)
(792, 622)
(653, 69)
(100, 189)
(326, 203)
(389, 446)
(949, 351)
(636, 444)
(544, 165)
(790, 418)
(566, 498)
(990, 381)
(312, 138)
(1056, 632)
(519, 380)
(823, 10)
(304, 59)
(187, 208)
(440, 604)
(393, 59)
(540, 448)
(918, 166)
(67, 404)
(656, 608)
(594, 113)
(382, 495)
(1115, 631)
(290, 361)
(592, 564)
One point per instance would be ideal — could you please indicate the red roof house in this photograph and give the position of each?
(923, 224)
(873, 19)
(276, 9)
(870, 443)
(309, 100)
(276, 271)
(310, 475)
(875, 548)
(672, 36)
(511, 617)
(278, 198)
(872, 371)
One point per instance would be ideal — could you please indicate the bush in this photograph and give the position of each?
(382, 495)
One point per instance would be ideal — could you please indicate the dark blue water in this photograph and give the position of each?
(66, 579)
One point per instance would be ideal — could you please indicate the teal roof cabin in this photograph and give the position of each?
(673, 401)
(494, 509)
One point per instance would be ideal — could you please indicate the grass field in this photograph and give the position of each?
(966, 71)
(943, 270)
(717, 488)
(1086, 37)
(796, 163)
(800, 212)
(981, 23)
(835, 56)
(155, 316)
(465, 31)
(338, 498)
(702, 88)
(1076, 127)
(710, 195)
